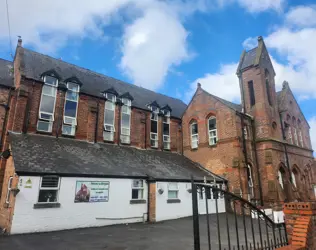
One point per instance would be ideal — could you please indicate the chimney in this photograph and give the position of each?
(19, 41)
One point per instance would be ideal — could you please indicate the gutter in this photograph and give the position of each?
(6, 117)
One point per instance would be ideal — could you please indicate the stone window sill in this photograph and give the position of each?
(173, 201)
(137, 201)
(46, 205)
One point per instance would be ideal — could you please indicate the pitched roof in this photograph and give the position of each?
(68, 157)
(231, 105)
(6, 73)
(249, 58)
(34, 64)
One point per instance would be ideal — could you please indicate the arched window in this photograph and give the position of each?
(294, 176)
(294, 130)
(300, 135)
(281, 177)
(267, 76)
(212, 130)
(250, 182)
(194, 134)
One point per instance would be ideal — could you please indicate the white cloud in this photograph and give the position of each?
(254, 6)
(223, 84)
(303, 16)
(312, 124)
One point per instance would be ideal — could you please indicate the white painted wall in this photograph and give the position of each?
(168, 211)
(70, 215)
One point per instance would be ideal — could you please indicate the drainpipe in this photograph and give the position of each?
(244, 142)
(161, 119)
(97, 123)
(27, 111)
(146, 130)
(6, 117)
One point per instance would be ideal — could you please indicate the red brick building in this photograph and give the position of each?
(262, 146)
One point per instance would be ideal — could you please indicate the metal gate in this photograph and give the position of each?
(242, 226)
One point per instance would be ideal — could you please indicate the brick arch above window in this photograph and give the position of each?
(210, 114)
(294, 121)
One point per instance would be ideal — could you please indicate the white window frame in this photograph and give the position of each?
(126, 131)
(7, 199)
(194, 137)
(290, 135)
(154, 136)
(173, 190)
(210, 131)
(109, 129)
(40, 119)
(49, 188)
(300, 136)
(281, 181)
(142, 188)
(73, 124)
(166, 138)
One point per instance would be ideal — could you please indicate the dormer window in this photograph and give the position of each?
(166, 130)
(154, 127)
(70, 109)
(109, 117)
(126, 121)
(47, 105)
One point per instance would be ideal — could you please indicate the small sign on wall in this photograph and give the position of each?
(28, 183)
(92, 191)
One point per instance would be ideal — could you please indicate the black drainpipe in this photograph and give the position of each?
(285, 148)
(182, 146)
(161, 119)
(145, 130)
(6, 116)
(27, 111)
(97, 122)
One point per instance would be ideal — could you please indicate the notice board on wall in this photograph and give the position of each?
(92, 191)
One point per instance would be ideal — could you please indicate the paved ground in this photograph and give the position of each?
(176, 235)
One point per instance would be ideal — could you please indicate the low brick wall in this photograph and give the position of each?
(300, 225)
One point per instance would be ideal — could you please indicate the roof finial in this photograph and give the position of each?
(20, 41)
(198, 85)
(260, 38)
(285, 85)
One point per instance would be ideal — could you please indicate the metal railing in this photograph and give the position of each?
(241, 226)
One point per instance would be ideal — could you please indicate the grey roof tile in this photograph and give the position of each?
(34, 64)
(249, 58)
(49, 155)
(6, 73)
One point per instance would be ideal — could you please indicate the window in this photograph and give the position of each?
(295, 136)
(49, 189)
(166, 130)
(47, 105)
(245, 132)
(250, 182)
(290, 135)
(109, 117)
(268, 87)
(280, 175)
(173, 190)
(7, 199)
(300, 136)
(154, 127)
(212, 131)
(138, 190)
(126, 121)
(70, 109)
(293, 178)
(194, 135)
(251, 93)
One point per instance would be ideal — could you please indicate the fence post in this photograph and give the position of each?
(195, 210)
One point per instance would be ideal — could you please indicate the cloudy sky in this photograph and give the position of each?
(170, 45)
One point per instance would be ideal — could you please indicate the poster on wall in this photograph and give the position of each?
(92, 191)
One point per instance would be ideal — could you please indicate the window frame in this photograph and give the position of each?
(49, 188)
(128, 104)
(173, 190)
(295, 136)
(252, 95)
(210, 137)
(293, 175)
(9, 188)
(111, 131)
(43, 120)
(166, 138)
(74, 126)
(155, 112)
(280, 179)
(290, 136)
(194, 135)
(300, 136)
(142, 188)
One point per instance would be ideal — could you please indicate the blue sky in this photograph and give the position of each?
(169, 46)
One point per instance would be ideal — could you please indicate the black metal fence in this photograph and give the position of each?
(241, 226)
